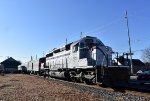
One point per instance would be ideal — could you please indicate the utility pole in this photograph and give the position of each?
(129, 43)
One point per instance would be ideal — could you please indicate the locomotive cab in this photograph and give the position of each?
(94, 52)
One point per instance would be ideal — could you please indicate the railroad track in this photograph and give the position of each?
(116, 94)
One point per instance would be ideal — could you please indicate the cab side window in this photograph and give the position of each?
(75, 48)
(81, 45)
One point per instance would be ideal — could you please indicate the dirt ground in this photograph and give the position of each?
(21, 87)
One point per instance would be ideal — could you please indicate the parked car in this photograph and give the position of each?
(139, 72)
(144, 75)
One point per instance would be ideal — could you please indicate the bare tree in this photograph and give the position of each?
(146, 55)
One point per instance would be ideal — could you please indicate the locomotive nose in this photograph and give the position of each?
(100, 55)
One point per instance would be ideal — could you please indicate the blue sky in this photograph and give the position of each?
(30, 27)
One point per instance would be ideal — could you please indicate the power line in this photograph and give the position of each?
(103, 27)
(133, 51)
(138, 50)
(95, 31)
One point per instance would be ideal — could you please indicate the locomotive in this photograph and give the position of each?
(85, 60)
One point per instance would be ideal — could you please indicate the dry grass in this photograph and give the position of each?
(19, 87)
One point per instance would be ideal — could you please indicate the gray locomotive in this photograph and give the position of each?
(86, 60)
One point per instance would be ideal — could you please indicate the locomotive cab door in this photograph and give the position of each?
(74, 57)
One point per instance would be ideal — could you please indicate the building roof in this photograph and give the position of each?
(10, 61)
(137, 62)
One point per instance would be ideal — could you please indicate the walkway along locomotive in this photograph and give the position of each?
(86, 60)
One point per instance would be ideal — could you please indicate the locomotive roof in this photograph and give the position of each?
(82, 39)
(67, 46)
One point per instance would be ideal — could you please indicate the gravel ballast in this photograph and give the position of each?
(108, 94)
(21, 87)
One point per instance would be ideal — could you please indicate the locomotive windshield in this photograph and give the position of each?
(85, 48)
(87, 44)
(99, 43)
(90, 43)
(89, 40)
